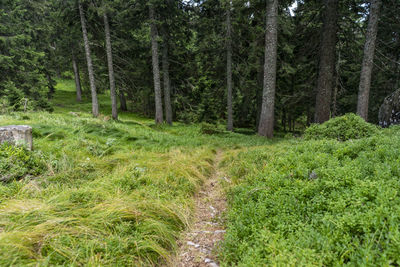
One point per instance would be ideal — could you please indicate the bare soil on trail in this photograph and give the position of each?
(199, 244)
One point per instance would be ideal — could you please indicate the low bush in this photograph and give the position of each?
(316, 203)
(349, 126)
(210, 129)
(18, 162)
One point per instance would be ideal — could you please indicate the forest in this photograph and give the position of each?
(199, 133)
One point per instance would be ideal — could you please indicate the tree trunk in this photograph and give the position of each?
(122, 101)
(95, 104)
(156, 67)
(266, 124)
(229, 125)
(167, 82)
(113, 93)
(336, 87)
(77, 78)
(368, 60)
(327, 62)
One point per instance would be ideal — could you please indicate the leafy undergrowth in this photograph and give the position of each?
(316, 203)
(349, 126)
(18, 162)
(109, 193)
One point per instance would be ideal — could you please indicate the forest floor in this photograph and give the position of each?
(199, 244)
(97, 192)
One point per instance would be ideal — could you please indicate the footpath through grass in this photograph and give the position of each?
(101, 193)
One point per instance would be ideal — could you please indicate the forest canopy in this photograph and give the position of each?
(205, 60)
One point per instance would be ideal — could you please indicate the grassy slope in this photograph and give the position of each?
(114, 193)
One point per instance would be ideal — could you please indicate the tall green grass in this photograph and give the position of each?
(110, 193)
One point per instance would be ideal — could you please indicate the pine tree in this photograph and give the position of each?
(111, 78)
(368, 60)
(77, 78)
(327, 62)
(229, 66)
(166, 79)
(266, 124)
(156, 67)
(95, 105)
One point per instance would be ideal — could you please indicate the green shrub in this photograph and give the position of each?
(18, 162)
(349, 126)
(210, 129)
(315, 203)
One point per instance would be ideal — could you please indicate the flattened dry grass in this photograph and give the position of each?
(112, 193)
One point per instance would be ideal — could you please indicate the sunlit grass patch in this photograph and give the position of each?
(110, 193)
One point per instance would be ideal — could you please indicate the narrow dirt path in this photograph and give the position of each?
(198, 244)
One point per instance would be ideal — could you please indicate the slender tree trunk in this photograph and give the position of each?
(397, 73)
(327, 62)
(229, 125)
(397, 67)
(336, 87)
(283, 120)
(77, 78)
(167, 82)
(122, 101)
(309, 116)
(113, 93)
(95, 104)
(266, 125)
(156, 67)
(368, 60)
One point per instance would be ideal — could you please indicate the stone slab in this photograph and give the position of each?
(17, 135)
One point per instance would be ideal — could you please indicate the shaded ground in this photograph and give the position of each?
(198, 245)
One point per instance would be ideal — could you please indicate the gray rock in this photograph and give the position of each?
(389, 112)
(313, 175)
(17, 135)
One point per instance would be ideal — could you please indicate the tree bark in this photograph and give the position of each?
(122, 101)
(266, 124)
(95, 104)
(229, 125)
(77, 78)
(336, 87)
(327, 62)
(167, 82)
(368, 60)
(113, 93)
(156, 67)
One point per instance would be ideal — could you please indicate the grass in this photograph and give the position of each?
(111, 193)
(95, 192)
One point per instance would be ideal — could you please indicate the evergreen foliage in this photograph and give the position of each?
(25, 72)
